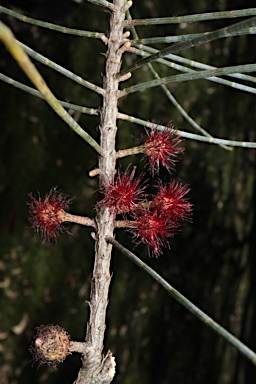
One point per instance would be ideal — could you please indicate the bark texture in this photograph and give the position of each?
(96, 368)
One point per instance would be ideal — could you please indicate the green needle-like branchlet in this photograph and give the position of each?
(241, 28)
(169, 94)
(49, 63)
(188, 135)
(189, 76)
(32, 73)
(207, 320)
(34, 92)
(192, 18)
(53, 27)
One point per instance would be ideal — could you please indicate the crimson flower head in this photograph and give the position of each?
(152, 228)
(161, 148)
(123, 194)
(171, 200)
(47, 215)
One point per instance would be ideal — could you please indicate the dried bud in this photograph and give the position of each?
(51, 345)
(47, 215)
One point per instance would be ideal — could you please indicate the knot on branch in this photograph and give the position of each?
(103, 374)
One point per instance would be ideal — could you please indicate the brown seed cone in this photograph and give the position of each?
(51, 345)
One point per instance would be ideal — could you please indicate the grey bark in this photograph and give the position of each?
(96, 368)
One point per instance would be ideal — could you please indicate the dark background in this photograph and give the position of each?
(211, 261)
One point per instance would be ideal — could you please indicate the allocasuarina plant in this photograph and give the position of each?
(125, 199)
(152, 219)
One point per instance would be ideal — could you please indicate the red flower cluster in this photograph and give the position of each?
(47, 215)
(124, 193)
(161, 219)
(170, 200)
(153, 229)
(154, 220)
(161, 148)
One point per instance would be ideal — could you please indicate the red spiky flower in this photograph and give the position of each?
(171, 200)
(47, 215)
(161, 148)
(124, 193)
(153, 229)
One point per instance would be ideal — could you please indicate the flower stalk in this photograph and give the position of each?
(81, 220)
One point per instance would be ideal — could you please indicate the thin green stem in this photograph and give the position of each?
(180, 109)
(53, 27)
(187, 135)
(182, 68)
(177, 38)
(34, 92)
(196, 64)
(207, 320)
(192, 18)
(165, 39)
(32, 73)
(189, 76)
(103, 3)
(243, 27)
(170, 96)
(183, 60)
(49, 63)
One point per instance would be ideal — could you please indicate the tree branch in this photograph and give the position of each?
(96, 369)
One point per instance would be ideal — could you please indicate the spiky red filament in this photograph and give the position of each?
(171, 200)
(152, 228)
(47, 215)
(123, 194)
(161, 148)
